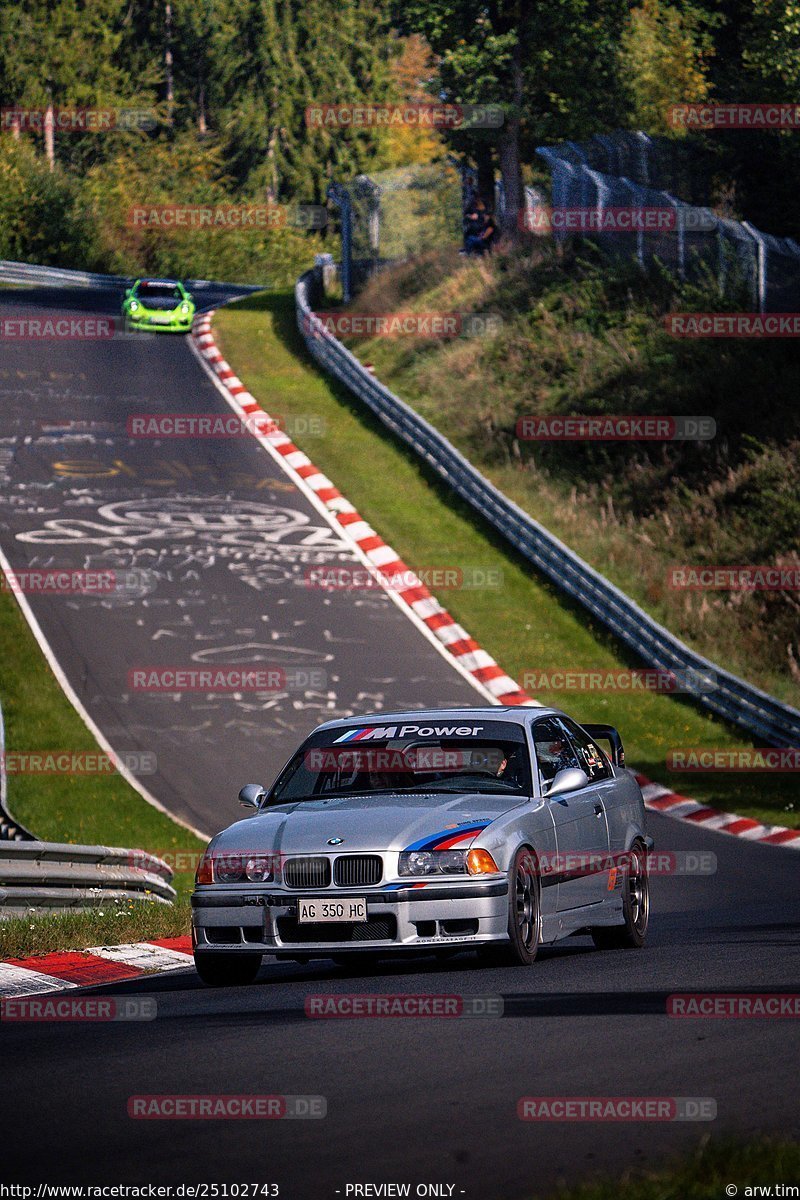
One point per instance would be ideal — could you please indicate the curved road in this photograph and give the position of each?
(410, 1101)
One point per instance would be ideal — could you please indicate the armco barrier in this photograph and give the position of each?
(770, 721)
(48, 875)
(63, 277)
(30, 273)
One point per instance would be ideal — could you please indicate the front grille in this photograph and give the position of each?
(307, 872)
(357, 870)
(376, 929)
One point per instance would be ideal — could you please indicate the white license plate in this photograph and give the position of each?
(161, 320)
(319, 911)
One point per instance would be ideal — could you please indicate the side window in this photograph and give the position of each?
(554, 752)
(592, 758)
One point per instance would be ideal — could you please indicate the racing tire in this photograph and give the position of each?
(227, 970)
(524, 916)
(635, 907)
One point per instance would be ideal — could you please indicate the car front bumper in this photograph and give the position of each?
(407, 918)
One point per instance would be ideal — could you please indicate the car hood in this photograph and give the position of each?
(377, 823)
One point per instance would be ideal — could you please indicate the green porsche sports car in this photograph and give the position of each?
(160, 305)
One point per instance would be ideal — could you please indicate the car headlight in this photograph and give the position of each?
(261, 869)
(433, 862)
(185, 309)
(134, 305)
(447, 862)
(228, 868)
(238, 868)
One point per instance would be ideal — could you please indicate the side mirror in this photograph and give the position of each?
(251, 795)
(571, 779)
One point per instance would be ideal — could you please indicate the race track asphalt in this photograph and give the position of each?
(421, 1100)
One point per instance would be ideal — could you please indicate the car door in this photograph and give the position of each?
(578, 817)
(603, 786)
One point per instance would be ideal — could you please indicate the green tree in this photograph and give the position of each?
(664, 52)
(549, 67)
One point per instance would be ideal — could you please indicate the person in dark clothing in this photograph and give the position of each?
(474, 224)
(491, 233)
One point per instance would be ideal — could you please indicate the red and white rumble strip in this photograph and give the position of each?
(485, 672)
(101, 964)
(661, 799)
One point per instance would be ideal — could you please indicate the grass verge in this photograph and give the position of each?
(110, 925)
(89, 809)
(524, 623)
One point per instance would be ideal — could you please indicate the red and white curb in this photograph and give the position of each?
(660, 799)
(481, 667)
(62, 970)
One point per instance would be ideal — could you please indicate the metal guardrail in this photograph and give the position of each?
(32, 274)
(722, 693)
(50, 875)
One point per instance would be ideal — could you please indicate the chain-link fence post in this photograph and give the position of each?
(340, 196)
(760, 290)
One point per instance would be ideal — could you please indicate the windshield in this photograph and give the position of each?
(491, 765)
(159, 291)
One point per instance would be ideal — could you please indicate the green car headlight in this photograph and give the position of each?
(185, 309)
(134, 305)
